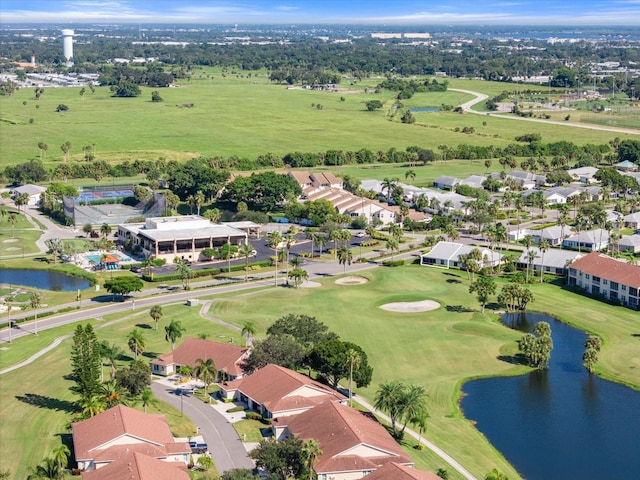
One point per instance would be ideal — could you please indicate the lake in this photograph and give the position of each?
(561, 423)
(44, 279)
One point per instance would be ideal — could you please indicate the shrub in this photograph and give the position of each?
(253, 416)
(236, 409)
(393, 263)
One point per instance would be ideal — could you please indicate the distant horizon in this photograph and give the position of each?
(401, 13)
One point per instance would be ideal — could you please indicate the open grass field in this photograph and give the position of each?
(245, 116)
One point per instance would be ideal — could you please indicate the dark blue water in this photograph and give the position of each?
(561, 423)
(43, 279)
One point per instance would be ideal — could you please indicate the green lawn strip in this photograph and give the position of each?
(24, 347)
(288, 121)
(12, 243)
(250, 430)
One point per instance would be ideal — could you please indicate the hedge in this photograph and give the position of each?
(236, 409)
(393, 263)
(206, 272)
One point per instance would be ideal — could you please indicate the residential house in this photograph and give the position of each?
(553, 261)
(115, 433)
(594, 240)
(632, 220)
(275, 391)
(447, 255)
(303, 178)
(33, 191)
(353, 443)
(529, 178)
(629, 243)
(583, 174)
(397, 471)
(474, 181)
(599, 274)
(228, 358)
(325, 179)
(446, 183)
(138, 466)
(554, 235)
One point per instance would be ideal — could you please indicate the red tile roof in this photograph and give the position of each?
(227, 358)
(608, 268)
(117, 422)
(349, 439)
(395, 471)
(137, 466)
(275, 387)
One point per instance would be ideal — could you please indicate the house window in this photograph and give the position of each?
(633, 291)
(624, 288)
(614, 286)
(604, 282)
(596, 279)
(588, 276)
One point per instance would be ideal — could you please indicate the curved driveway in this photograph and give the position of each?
(481, 97)
(225, 447)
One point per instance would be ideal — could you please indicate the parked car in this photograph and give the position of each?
(183, 391)
(198, 447)
(360, 235)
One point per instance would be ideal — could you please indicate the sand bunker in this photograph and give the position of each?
(11, 240)
(354, 280)
(310, 285)
(410, 307)
(12, 249)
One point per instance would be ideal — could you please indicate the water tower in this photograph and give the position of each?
(67, 45)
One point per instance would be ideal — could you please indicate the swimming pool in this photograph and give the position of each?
(95, 257)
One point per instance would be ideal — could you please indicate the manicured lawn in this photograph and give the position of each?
(18, 239)
(250, 430)
(282, 121)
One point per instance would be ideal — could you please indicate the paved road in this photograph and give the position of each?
(227, 451)
(481, 97)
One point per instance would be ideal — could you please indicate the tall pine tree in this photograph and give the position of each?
(86, 362)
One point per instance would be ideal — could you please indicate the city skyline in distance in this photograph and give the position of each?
(295, 12)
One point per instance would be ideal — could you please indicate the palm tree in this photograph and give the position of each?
(55, 246)
(345, 255)
(531, 256)
(248, 330)
(35, 299)
(111, 392)
(110, 353)
(354, 359)
(290, 240)
(199, 200)
(173, 332)
(147, 266)
(213, 215)
(206, 371)
(335, 236)
(61, 455)
(322, 242)
(389, 400)
(246, 250)
(419, 420)
(105, 230)
(388, 184)
(312, 452)
(313, 236)
(185, 272)
(92, 406)
(136, 342)
(544, 247)
(410, 174)
(156, 314)
(12, 219)
(49, 469)
(146, 397)
(227, 252)
(298, 275)
(275, 238)
(191, 201)
(393, 245)
(413, 402)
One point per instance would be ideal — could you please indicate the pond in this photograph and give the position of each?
(44, 279)
(424, 109)
(559, 423)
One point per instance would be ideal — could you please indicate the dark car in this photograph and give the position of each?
(198, 447)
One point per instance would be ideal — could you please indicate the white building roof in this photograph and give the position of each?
(554, 257)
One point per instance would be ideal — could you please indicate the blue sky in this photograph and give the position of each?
(388, 12)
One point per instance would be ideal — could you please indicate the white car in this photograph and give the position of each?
(360, 235)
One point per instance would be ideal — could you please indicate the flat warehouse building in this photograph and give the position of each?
(183, 237)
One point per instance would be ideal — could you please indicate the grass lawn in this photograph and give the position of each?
(18, 239)
(251, 430)
(282, 120)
